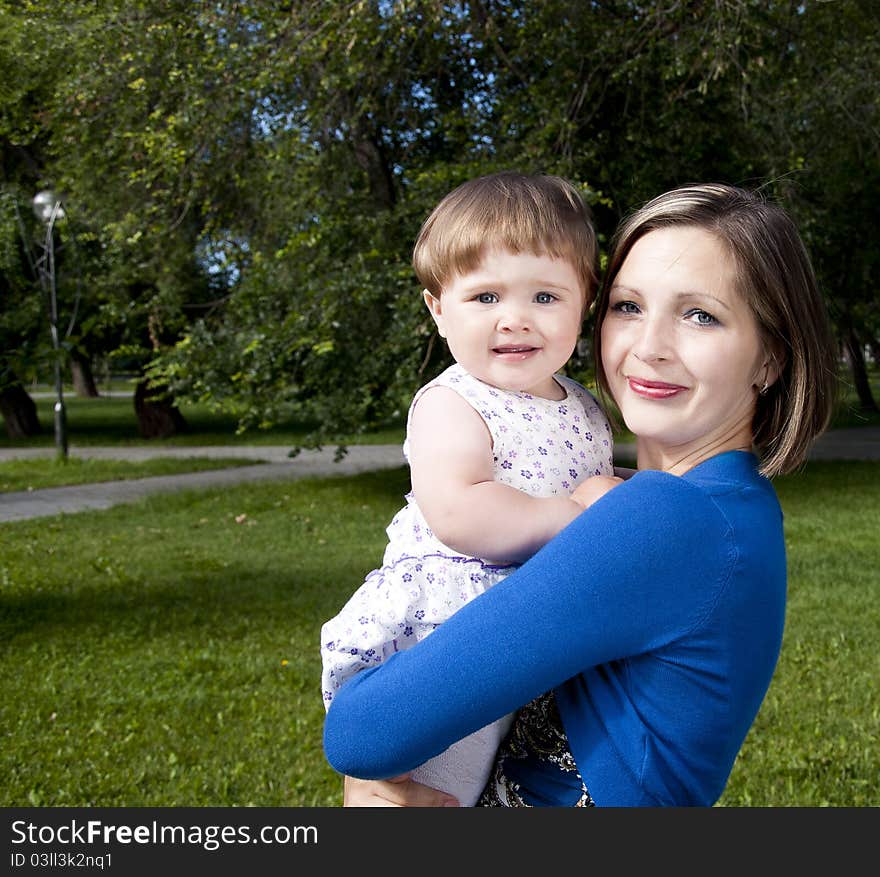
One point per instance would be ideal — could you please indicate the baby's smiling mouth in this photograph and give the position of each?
(514, 348)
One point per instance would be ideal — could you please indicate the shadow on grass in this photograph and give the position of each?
(179, 564)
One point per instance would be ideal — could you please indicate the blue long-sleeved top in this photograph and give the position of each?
(657, 617)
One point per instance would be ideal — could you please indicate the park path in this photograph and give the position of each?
(276, 465)
(861, 443)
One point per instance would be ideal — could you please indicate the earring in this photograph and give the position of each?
(763, 390)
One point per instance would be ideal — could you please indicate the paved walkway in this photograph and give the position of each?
(276, 466)
(847, 444)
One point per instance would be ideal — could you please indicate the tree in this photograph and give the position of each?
(249, 178)
(824, 138)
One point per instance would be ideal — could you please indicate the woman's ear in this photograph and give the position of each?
(770, 373)
(435, 309)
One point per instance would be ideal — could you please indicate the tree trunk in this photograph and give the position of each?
(157, 415)
(19, 412)
(856, 358)
(83, 378)
(368, 154)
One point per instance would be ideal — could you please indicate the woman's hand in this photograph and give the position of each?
(397, 792)
(587, 492)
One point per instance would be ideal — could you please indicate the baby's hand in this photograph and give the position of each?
(587, 492)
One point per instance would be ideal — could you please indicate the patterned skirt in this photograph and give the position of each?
(534, 766)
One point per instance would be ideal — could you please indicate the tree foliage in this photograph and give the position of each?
(248, 178)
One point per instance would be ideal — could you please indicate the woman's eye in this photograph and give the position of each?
(487, 298)
(701, 317)
(625, 307)
(545, 298)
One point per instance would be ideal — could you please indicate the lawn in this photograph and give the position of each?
(166, 653)
(110, 420)
(37, 473)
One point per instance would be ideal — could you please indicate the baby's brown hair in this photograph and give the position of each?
(540, 214)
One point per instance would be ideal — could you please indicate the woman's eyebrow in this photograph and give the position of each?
(704, 295)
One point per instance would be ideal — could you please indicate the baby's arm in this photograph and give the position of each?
(450, 453)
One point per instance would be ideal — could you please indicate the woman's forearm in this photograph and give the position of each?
(587, 598)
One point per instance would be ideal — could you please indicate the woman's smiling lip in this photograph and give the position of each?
(654, 389)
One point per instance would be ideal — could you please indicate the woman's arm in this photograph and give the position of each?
(627, 573)
(450, 454)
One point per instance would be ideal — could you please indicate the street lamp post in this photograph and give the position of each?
(48, 209)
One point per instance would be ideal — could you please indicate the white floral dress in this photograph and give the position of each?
(540, 446)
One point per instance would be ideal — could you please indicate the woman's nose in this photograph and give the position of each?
(653, 341)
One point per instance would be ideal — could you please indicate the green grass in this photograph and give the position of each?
(817, 738)
(37, 473)
(165, 653)
(110, 420)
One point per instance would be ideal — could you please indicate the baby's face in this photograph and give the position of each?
(514, 321)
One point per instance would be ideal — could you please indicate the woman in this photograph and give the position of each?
(643, 637)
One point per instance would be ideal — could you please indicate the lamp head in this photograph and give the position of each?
(47, 205)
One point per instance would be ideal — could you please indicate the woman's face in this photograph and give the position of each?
(681, 349)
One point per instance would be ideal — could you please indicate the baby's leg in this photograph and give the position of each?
(463, 769)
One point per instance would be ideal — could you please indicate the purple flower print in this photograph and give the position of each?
(407, 577)
(562, 409)
(525, 473)
(542, 451)
(573, 473)
(526, 416)
(507, 465)
(420, 614)
(569, 445)
(588, 436)
(408, 631)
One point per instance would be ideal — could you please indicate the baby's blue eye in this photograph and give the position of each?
(545, 298)
(487, 298)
